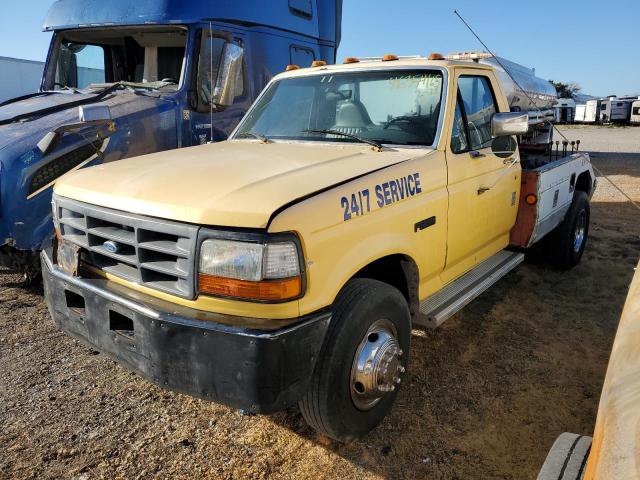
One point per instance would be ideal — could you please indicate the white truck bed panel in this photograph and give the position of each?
(554, 185)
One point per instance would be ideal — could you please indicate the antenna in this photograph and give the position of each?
(509, 73)
(212, 86)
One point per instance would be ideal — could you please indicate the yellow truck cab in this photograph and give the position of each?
(289, 263)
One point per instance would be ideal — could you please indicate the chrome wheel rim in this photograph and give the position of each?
(376, 370)
(579, 232)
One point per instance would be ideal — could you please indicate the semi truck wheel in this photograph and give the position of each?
(570, 237)
(360, 366)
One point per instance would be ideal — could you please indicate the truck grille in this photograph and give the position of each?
(152, 252)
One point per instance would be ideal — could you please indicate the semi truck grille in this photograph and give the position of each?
(61, 165)
(151, 252)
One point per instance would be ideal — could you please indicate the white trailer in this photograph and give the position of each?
(635, 113)
(19, 77)
(592, 111)
(564, 110)
(615, 110)
(581, 112)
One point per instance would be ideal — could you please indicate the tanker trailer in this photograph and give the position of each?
(525, 93)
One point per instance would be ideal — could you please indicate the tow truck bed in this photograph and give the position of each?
(547, 192)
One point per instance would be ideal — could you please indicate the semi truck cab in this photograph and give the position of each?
(289, 263)
(127, 78)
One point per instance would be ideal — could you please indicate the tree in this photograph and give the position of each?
(566, 90)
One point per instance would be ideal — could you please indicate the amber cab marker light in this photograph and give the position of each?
(389, 57)
(291, 67)
(266, 290)
(318, 63)
(531, 199)
(351, 60)
(436, 56)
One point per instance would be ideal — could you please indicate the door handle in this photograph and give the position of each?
(509, 161)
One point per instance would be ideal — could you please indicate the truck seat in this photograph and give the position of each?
(352, 117)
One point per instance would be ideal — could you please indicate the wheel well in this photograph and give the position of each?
(584, 183)
(399, 271)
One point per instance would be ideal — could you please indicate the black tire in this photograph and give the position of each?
(565, 248)
(537, 253)
(328, 406)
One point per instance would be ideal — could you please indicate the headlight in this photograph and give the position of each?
(54, 207)
(267, 271)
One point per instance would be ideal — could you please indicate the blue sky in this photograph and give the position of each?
(590, 42)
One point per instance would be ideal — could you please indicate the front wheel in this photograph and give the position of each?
(363, 358)
(570, 237)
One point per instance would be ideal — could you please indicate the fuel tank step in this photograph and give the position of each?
(440, 306)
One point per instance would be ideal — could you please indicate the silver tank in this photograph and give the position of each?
(540, 94)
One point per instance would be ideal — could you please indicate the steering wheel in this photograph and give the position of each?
(400, 119)
(476, 131)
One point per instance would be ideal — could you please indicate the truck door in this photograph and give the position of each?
(206, 119)
(483, 187)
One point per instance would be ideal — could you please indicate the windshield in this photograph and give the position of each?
(147, 57)
(389, 107)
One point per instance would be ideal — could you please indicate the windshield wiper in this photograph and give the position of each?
(97, 97)
(373, 143)
(259, 136)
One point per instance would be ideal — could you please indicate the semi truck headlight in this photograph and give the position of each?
(267, 271)
(54, 208)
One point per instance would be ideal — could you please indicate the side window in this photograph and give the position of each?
(478, 105)
(80, 65)
(302, 8)
(459, 140)
(301, 56)
(212, 49)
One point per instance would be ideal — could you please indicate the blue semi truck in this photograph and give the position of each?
(125, 78)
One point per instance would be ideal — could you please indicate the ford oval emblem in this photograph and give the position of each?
(111, 246)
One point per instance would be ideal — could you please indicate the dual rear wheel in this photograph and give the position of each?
(564, 246)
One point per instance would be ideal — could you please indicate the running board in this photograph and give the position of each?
(441, 305)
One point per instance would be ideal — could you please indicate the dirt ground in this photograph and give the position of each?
(486, 395)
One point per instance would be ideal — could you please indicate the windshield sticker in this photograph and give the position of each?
(386, 193)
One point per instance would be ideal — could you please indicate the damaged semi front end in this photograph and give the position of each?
(127, 78)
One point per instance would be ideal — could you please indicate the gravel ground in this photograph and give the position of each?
(486, 394)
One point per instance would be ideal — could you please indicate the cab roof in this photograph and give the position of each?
(377, 63)
(319, 19)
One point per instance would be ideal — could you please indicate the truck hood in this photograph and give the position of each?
(232, 183)
(121, 103)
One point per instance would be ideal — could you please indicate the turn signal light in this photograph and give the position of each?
(291, 67)
(269, 290)
(318, 63)
(531, 199)
(436, 56)
(351, 60)
(389, 57)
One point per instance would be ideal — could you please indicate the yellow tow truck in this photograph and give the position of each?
(289, 263)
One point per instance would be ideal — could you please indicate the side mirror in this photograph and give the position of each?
(229, 82)
(87, 115)
(506, 124)
(94, 113)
